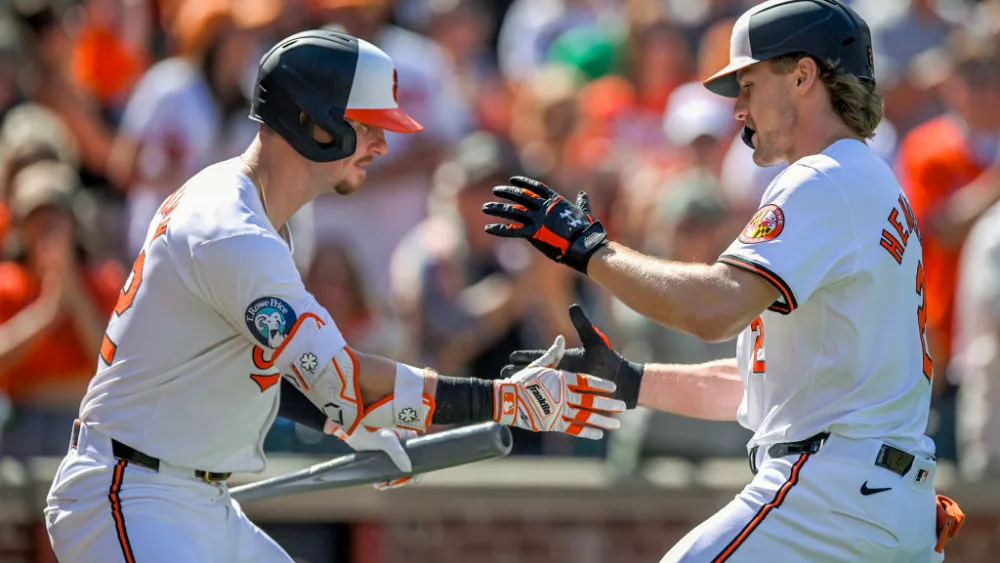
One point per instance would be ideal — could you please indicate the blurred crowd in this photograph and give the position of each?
(107, 106)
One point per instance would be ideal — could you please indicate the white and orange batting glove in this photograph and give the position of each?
(543, 399)
(388, 440)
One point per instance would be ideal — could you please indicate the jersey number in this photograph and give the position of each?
(759, 365)
(928, 365)
(125, 299)
(108, 347)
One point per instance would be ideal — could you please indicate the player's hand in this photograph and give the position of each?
(597, 357)
(388, 440)
(563, 231)
(540, 398)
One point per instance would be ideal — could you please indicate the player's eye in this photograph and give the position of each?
(360, 127)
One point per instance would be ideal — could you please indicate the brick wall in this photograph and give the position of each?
(614, 540)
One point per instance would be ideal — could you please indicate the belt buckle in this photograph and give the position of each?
(817, 443)
(213, 478)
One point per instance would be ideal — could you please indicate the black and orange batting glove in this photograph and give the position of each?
(562, 230)
(597, 357)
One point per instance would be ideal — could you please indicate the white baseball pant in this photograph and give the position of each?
(809, 507)
(102, 510)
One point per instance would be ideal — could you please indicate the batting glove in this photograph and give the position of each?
(563, 231)
(388, 440)
(540, 398)
(596, 357)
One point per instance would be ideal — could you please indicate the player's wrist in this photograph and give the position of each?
(629, 381)
(585, 246)
(463, 400)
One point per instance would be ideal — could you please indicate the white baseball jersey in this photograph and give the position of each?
(843, 349)
(185, 371)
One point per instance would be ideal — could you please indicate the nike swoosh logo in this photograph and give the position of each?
(866, 491)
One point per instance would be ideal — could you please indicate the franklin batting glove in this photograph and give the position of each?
(597, 357)
(564, 231)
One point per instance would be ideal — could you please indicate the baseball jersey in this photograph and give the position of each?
(185, 372)
(843, 349)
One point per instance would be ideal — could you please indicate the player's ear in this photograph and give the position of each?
(806, 74)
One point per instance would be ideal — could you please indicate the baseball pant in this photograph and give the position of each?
(102, 510)
(810, 507)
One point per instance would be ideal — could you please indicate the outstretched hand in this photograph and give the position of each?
(541, 398)
(564, 231)
(596, 357)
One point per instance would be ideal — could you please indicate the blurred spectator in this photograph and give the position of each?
(897, 39)
(365, 321)
(465, 295)
(531, 26)
(14, 63)
(461, 28)
(545, 117)
(658, 62)
(699, 18)
(453, 283)
(624, 108)
(172, 124)
(975, 360)
(110, 50)
(941, 167)
(30, 133)
(698, 127)
(54, 304)
(52, 47)
(395, 193)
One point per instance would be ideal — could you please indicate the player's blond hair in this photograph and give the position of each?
(854, 100)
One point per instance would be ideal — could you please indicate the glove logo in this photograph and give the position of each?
(407, 415)
(536, 392)
(508, 403)
(309, 362)
(570, 218)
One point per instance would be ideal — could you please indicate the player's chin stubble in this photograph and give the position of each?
(774, 143)
(348, 185)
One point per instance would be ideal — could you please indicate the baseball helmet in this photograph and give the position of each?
(827, 30)
(323, 77)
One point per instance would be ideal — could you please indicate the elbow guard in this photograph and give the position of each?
(316, 360)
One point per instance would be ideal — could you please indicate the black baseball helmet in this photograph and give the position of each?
(827, 30)
(322, 77)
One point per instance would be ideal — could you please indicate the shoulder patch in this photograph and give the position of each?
(269, 320)
(766, 224)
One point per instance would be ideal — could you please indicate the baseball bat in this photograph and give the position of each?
(449, 448)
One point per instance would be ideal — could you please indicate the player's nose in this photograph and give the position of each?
(378, 146)
(741, 109)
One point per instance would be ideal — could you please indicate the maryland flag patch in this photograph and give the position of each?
(766, 224)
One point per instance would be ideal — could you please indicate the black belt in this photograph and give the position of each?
(890, 458)
(127, 453)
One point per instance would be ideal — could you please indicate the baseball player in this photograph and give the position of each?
(214, 321)
(824, 288)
